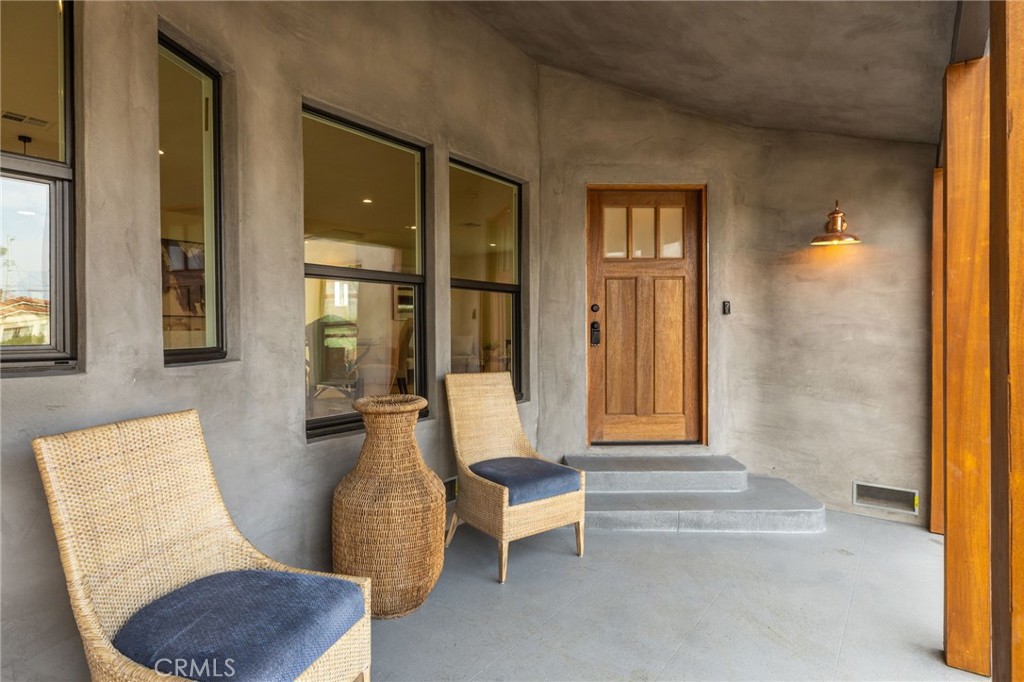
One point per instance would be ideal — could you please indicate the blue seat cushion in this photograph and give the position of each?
(528, 479)
(242, 626)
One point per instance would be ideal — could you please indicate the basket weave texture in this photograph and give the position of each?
(138, 514)
(485, 425)
(389, 511)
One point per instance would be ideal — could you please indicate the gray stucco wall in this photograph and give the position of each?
(419, 71)
(820, 375)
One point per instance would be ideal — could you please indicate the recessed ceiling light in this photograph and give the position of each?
(26, 212)
(493, 244)
(410, 227)
(161, 152)
(367, 201)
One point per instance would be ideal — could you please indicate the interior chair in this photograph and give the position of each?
(163, 586)
(401, 355)
(505, 488)
(387, 363)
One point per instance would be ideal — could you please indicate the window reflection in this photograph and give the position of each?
(24, 263)
(484, 227)
(32, 79)
(482, 331)
(360, 341)
(188, 226)
(361, 199)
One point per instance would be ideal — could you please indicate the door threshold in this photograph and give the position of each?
(645, 442)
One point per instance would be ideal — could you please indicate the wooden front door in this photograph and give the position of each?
(645, 311)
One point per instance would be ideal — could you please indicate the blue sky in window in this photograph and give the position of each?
(25, 233)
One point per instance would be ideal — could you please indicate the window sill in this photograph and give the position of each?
(193, 357)
(322, 432)
(199, 363)
(41, 370)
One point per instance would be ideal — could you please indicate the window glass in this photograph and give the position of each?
(37, 259)
(363, 230)
(360, 340)
(25, 263)
(188, 212)
(485, 256)
(362, 199)
(484, 227)
(32, 79)
(670, 232)
(616, 236)
(482, 331)
(643, 232)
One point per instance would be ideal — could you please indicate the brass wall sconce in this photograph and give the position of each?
(835, 230)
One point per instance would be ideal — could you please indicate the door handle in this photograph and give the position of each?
(595, 333)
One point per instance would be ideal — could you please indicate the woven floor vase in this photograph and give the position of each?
(389, 511)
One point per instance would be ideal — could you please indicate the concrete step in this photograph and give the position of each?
(666, 473)
(769, 505)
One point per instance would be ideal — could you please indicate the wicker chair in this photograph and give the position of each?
(485, 426)
(137, 514)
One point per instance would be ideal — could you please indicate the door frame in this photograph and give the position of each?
(702, 303)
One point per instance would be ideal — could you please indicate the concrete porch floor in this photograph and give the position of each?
(861, 601)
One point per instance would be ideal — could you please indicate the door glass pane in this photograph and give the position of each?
(362, 199)
(615, 243)
(32, 79)
(643, 232)
(670, 232)
(482, 334)
(24, 262)
(360, 340)
(484, 227)
(187, 212)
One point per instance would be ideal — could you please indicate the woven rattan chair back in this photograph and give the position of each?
(484, 417)
(137, 513)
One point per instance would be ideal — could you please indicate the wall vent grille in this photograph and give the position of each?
(22, 118)
(885, 497)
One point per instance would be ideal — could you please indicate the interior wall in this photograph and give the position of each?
(820, 374)
(419, 71)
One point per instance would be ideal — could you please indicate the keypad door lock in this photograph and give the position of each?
(595, 333)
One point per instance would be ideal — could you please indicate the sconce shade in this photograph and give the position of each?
(835, 230)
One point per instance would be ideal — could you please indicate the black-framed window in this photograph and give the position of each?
(364, 269)
(37, 299)
(190, 212)
(486, 255)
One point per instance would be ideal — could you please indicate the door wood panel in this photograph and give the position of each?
(620, 330)
(646, 379)
(669, 345)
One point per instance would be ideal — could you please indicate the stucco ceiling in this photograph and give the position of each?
(870, 69)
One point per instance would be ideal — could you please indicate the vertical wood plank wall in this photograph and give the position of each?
(968, 605)
(937, 522)
(1007, 330)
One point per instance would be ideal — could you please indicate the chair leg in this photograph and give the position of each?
(502, 560)
(451, 529)
(579, 538)
(364, 676)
